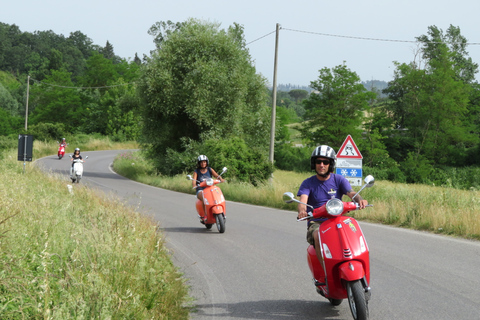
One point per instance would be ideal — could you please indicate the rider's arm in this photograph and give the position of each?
(358, 199)
(302, 209)
(194, 181)
(215, 175)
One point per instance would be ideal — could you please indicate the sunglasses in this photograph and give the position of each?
(325, 162)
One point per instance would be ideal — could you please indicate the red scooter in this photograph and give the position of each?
(61, 150)
(345, 272)
(214, 203)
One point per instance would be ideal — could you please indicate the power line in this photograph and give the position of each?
(59, 86)
(352, 37)
(261, 37)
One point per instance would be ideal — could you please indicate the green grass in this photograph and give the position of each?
(79, 255)
(436, 209)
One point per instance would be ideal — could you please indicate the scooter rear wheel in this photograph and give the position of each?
(356, 299)
(209, 226)
(220, 220)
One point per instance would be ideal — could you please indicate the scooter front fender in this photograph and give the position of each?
(351, 270)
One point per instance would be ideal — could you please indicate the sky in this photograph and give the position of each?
(313, 34)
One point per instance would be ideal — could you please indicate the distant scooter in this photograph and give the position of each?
(76, 172)
(61, 150)
(214, 203)
(345, 271)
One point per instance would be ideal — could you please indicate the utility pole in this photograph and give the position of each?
(274, 97)
(26, 108)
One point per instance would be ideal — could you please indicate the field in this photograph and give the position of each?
(78, 255)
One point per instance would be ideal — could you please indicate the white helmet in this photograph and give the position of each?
(324, 151)
(202, 158)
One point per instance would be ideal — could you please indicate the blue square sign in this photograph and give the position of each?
(350, 172)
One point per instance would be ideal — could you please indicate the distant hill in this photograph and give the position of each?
(288, 87)
(370, 85)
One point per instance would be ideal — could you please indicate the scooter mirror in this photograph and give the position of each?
(288, 197)
(189, 177)
(86, 157)
(369, 181)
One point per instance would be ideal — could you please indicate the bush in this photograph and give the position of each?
(417, 168)
(387, 170)
(9, 124)
(47, 131)
(292, 158)
(244, 164)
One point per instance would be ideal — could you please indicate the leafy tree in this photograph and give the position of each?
(54, 101)
(108, 51)
(431, 107)
(82, 43)
(201, 85)
(9, 124)
(162, 30)
(7, 102)
(435, 43)
(100, 71)
(337, 109)
(298, 94)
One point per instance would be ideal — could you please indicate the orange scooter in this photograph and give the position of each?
(213, 201)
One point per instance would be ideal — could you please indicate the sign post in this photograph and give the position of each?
(25, 148)
(349, 162)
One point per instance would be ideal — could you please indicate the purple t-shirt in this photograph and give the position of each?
(319, 192)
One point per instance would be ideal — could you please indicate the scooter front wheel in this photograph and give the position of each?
(357, 300)
(335, 302)
(220, 220)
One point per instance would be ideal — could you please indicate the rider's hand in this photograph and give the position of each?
(363, 203)
(302, 214)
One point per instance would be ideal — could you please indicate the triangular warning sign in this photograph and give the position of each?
(349, 149)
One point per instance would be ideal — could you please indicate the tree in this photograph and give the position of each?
(54, 102)
(100, 71)
(298, 94)
(200, 85)
(430, 106)
(434, 45)
(336, 109)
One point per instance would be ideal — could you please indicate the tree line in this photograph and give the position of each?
(199, 93)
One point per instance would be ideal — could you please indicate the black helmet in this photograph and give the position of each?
(324, 151)
(202, 158)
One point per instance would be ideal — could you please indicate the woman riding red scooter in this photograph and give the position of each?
(211, 203)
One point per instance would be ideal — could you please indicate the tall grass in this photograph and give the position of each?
(79, 255)
(437, 209)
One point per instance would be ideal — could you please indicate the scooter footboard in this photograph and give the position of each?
(351, 270)
(315, 267)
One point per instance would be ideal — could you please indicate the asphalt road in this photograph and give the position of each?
(257, 269)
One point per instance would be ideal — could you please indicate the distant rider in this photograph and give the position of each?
(63, 143)
(76, 155)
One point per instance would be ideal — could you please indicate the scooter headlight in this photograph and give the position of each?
(334, 207)
(209, 182)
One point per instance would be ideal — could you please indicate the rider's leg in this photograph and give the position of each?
(200, 197)
(317, 247)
